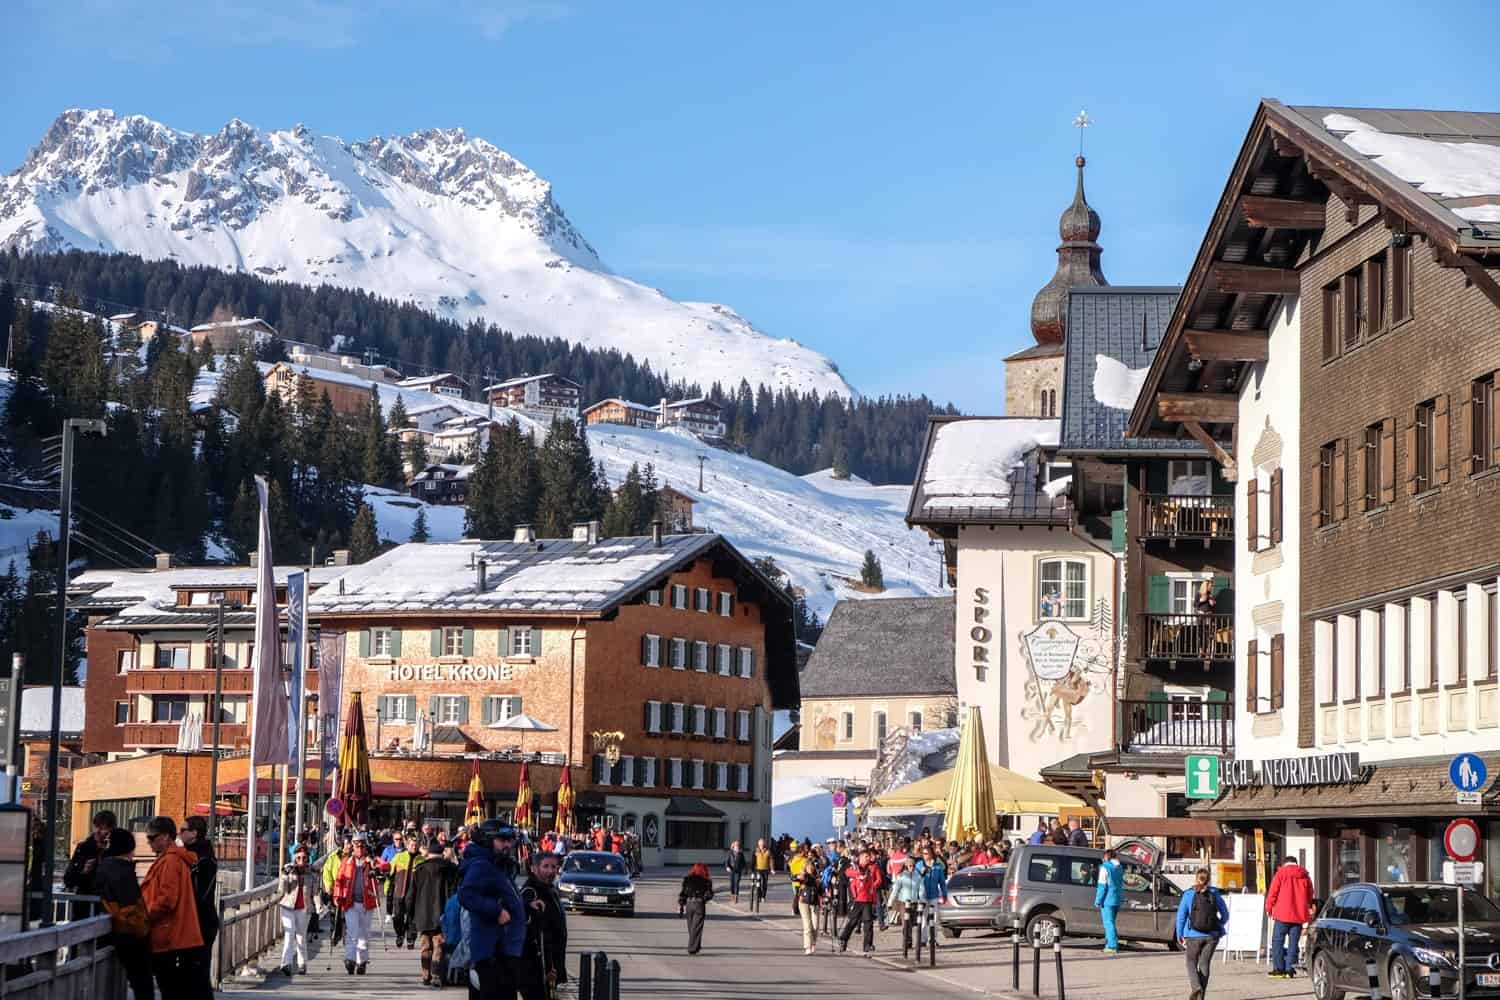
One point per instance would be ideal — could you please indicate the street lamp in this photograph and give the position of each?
(64, 537)
(213, 763)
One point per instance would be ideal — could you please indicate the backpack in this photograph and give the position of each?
(455, 936)
(1203, 916)
(128, 919)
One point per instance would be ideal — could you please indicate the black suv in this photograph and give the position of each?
(1408, 930)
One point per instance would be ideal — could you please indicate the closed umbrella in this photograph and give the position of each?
(190, 732)
(565, 800)
(523, 798)
(420, 735)
(353, 786)
(970, 808)
(474, 808)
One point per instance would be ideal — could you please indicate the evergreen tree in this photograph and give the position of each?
(870, 573)
(363, 543)
(570, 484)
(419, 526)
(623, 515)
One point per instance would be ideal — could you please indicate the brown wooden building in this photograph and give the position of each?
(545, 396)
(623, 412)
(349, 394)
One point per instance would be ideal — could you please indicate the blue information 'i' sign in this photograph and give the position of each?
(1468, 773)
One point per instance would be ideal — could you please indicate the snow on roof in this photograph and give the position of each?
(453, 472)
(972, 459)
(146, 591)
(1058, 487)
(1115, 385)
(698, 401)
(421, 380)
(431, 408)
(550, 575)
(629, 404)
(36, 710)
(522, 380)
(322, 374)
(1438, 169)
(224, 324)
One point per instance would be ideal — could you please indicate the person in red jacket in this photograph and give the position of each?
(171, 910)
(1289, 901)
(355, 893)
(865, 881)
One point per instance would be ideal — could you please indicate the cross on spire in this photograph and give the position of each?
(1081, 122)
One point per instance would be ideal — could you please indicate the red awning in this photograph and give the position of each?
(379, 789)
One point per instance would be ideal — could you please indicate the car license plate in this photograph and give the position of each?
(596, 899)
(971, 900)
(1487, 979)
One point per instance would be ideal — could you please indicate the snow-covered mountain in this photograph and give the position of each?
(436, 217)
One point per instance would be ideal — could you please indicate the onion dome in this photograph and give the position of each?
(1077, 264)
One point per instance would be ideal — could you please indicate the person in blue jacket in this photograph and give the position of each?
(497, 916)
(1107, 899)
(1201, 918)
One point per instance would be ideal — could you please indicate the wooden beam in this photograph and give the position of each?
(1253, 278)
(1226, 463)
(1229, 345)
(1213, 407)
(1282, 213)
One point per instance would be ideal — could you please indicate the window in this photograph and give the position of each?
(1063, 588)
(1461, 615)
(700, 656)
(698, 769)
(725, 656)
(878, 723)
(1185, 593)
(626, 769)
(679, 597)
(1434, 665)
(522, 641)
(1370, 450)
(1375, 317)
(1324, 483)
(1353, 321)
(168, 709)
(700, 600)
(651, 650)
(653, 597)
(1380, 681)
(1403, 669)
(1189, 478)
(453, 641)
(397, 708)
(742, 777)
(1423, 451)
(1402, 286)
(380, 642)
(674, 772)
(700, 720)
(171, 656)
(122, 712)
(846, 727)
(602, 770)
(747, 661)
(499, 707)
(678, 711)
(450, 709)
(653, 717)
(721, 776)
(1333, 311)
(695, 835)
(721, 723)
(914, 721)
(648, 772)
(742, 725)
(726, 604)
(1483, 426)
(679, 654)
(124, 660)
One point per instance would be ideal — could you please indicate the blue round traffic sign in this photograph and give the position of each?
(1468, 773)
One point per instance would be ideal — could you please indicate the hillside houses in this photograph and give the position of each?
(700, 416)
(622, 412)
(442, 483)
(542, 397)
(233, 334)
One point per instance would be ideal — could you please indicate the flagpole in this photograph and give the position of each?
(300, 683)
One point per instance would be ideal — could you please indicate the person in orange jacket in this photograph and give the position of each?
(355, 893)
(167, 891)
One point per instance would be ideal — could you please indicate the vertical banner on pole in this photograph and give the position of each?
(330, 693)
(1260, 860)
(296, 628)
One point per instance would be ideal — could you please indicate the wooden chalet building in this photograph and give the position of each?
(227, 336)
(624, 413)
(349, 394)
(701, 416)
(441, 383)
(1337, 343)
(544, 397)
(441, 483)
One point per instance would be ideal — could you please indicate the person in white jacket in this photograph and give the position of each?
(299, 889)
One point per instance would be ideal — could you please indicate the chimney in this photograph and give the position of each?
(656, 533)
(163, 560)
(254, 558)
(524, 534)
(586, 532)
(484, 568)
(340, 558)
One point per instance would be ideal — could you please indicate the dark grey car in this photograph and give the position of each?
(1051, 891)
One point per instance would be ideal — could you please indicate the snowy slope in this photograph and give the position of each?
(449, 222)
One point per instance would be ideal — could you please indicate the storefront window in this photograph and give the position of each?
(1393, 853)
(1349, 858)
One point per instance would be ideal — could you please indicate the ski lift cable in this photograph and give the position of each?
(115, 539)
(92, 544)
(119, 528)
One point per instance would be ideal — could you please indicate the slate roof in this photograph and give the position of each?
(1036, 351)
(990, 473)
(1124, 323)
(856, 654)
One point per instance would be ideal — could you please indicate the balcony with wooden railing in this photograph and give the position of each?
(185, 681)
(1208, 637)
(1173, 517)
(1178, 726)
(145, 735)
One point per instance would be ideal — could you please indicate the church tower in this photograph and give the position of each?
(1033, 377)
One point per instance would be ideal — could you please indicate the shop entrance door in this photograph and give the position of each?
(1275, 850)
(1346, 860)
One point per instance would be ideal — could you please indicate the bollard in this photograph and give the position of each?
(1372, 977)
(1435, 983)
(601, 976)
(1015, 957)
(1062, 990)
(585, 977)
(1036, 969)
(614, 979)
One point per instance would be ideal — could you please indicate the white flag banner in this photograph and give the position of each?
(268, 700)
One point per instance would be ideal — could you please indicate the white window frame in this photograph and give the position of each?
(742, 726)
(742, 777)
(725, 655)
(914, 721)
(1189, 582)
(653, 597)
(441, 710)
(522, 641)
(880, 719)
(125, 661)
(701, 602)
(721, 776)
(721, 723)
(653, 650)
(679, 596)
(674, 772)
(1184, 468)
(380, 641)
(726, 604)
(453, 640)
(747, 661)
(679, 718)
(846, 726)
(1063, 562)
(678, 653)
(700, 720)
(396, 699)
(653, 717)
(700, 656)
(650, 781)
(605, 771)
(698, 773)
(627, 770)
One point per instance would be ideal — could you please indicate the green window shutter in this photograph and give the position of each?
(505, 642)
(432, 708)
(437, 642)
(646, 717)
(1221, 583)
(1158, 712)
(645, 655)
(383, 706)
(515, 706)
(411, 706)
(1117, 531)
(395, 642)
(487, 710)
(463, 710)
(364, 642)
(1214, 694)
(1158, 595)
(468, 642)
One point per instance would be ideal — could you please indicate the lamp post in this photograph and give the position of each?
(64, 537)
(213, 762)
(377, 728)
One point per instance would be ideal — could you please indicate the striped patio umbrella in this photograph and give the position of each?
(353, 788)
(474, 809)
(565, 800)
(523, 798)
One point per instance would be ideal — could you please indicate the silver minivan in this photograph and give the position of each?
(1051, 891)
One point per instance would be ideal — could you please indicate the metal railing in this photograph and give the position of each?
(1165, 515)
(248, 925)
(1176, 725)
(1188, 637)
(64, 962)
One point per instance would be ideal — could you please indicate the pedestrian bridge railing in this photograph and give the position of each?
(67, 961)
(248, 925)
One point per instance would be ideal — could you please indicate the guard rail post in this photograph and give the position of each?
(1372, 977)
(1062, 989)
(1036, 968)
(614, 979)
(1015, 956)
(1435, 981)
(585, 977)
(601, 976)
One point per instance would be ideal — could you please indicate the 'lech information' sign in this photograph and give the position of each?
(1202, 776)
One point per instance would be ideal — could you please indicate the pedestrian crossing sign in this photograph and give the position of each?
(1203, 776)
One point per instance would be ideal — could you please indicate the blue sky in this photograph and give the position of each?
(879, 180)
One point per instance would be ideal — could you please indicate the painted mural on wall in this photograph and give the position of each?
(825, 728)
(1067, 663)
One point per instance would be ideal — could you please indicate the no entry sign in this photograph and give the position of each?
(1461, 840)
